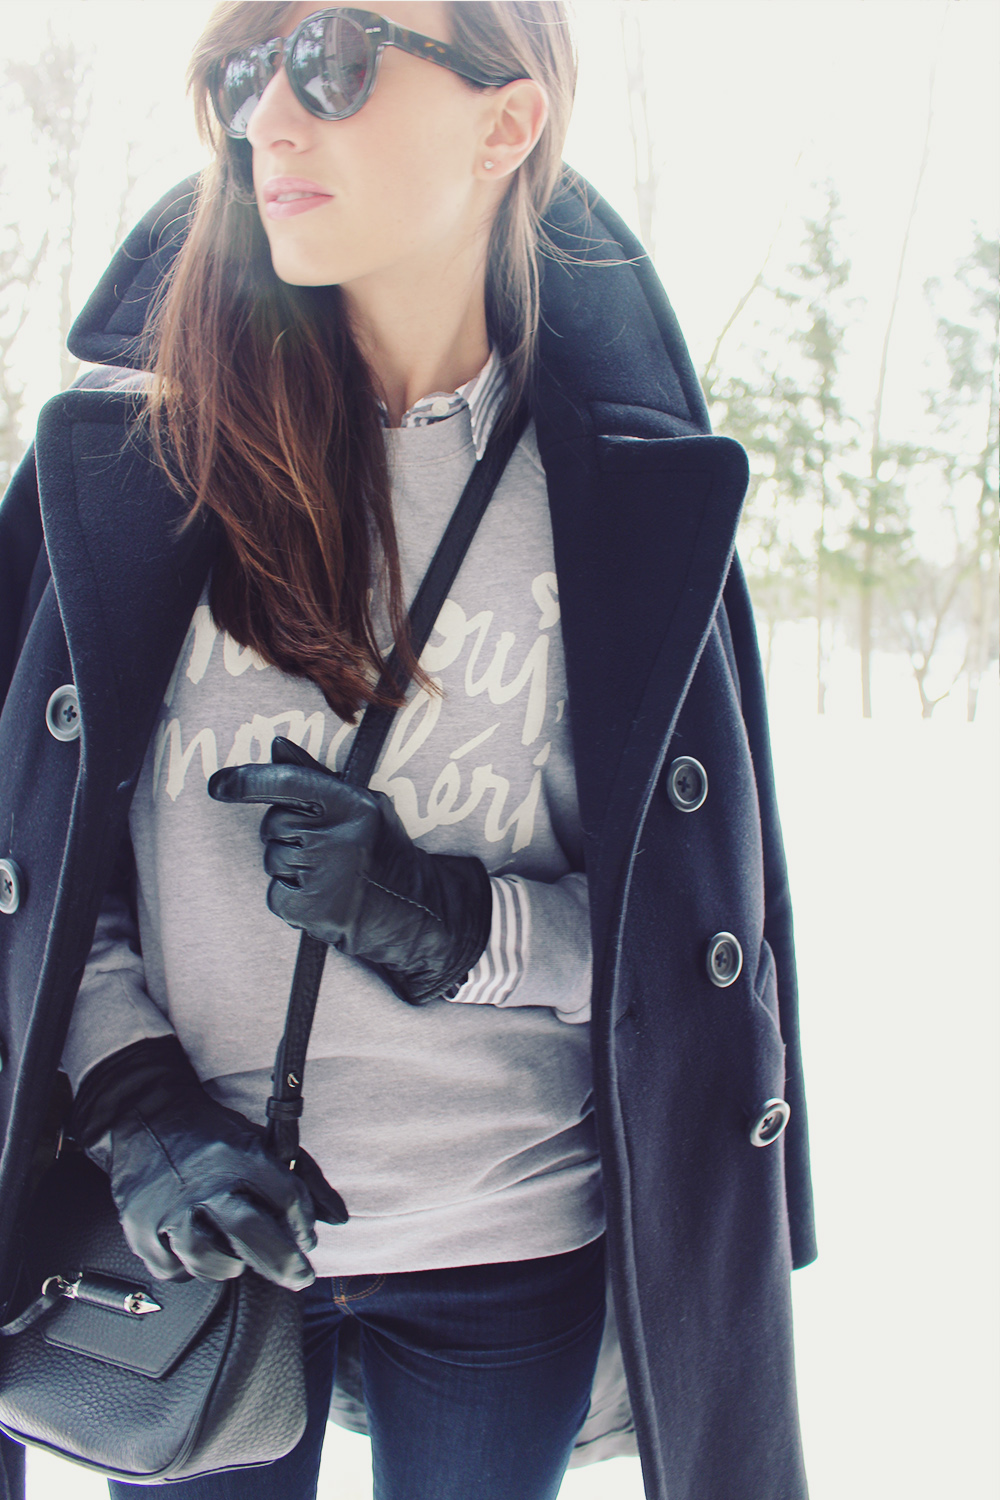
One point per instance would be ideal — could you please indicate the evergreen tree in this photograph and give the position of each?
(966, 411)
(789, 415)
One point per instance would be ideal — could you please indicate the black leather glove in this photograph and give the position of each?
(346, 871)
(196, 1192)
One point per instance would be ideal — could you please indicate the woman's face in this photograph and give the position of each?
(397, 184)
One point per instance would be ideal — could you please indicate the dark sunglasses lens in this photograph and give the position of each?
(331, 66)
(238, 88)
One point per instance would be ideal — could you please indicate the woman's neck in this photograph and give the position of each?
(420, 340)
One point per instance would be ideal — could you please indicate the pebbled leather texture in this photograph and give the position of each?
(232, 1390)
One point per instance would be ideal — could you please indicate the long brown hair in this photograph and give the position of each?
(262, 407)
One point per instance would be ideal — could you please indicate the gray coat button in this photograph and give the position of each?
(62, 713)
(687, 783)
(725, 959)
(10, 887)
(770, 1123)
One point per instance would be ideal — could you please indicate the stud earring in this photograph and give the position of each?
(487, 165)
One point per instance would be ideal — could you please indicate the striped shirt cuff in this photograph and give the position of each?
(497, 976)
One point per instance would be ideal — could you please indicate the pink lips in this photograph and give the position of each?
(284, 197)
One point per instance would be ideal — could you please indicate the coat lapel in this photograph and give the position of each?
(644, 508)
(644, 530)
(126, 577)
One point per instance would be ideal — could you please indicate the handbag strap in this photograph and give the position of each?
(284, 1108)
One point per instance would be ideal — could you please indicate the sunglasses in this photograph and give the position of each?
(331, 61)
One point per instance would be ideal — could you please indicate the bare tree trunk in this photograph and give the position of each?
(927, 706)
(68, 366)
(982, 612)
(820, 654)
(646, 173)
(711, 366)
(921, 657)
(867, 579)
(865, 632)
(57, 92)
(820, 599)
(128, 188)
(17, 273)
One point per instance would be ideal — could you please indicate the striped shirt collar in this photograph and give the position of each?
(483, 395)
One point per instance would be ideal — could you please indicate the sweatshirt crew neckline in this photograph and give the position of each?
(438, 442)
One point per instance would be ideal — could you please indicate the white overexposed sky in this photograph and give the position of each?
(756, 101)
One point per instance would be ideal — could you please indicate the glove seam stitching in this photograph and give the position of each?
(408, 899)
(160, 1146)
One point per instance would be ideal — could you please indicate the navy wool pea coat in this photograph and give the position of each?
(706, 1215)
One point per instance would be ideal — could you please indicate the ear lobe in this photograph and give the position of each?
(522, 110)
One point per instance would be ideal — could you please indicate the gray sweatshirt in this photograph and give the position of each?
(462, 1131)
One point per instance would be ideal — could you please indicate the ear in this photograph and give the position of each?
(515, 119)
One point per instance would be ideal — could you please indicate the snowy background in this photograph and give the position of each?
(891, 824)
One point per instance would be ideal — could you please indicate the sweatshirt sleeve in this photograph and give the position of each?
(112, 1008)
(538, 954)
(539, 949)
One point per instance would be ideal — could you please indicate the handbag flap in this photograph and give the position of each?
(72, 1228)
(149, 1343)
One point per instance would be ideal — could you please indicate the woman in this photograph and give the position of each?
(574, 806)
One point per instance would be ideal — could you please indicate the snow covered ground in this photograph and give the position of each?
(891, 828)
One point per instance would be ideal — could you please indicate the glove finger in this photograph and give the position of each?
(151, 1249)
(328, 1205)
(202, 1249)
(300, 1222)
(285, 825)
(285, 901)
(285, 752)
(314, 791)
(287, 863)
(324, 913)
(259, 1240)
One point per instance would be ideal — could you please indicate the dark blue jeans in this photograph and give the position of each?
(476, 1381)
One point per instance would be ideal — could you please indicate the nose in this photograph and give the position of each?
(279, 119)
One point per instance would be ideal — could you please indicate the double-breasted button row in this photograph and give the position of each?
(62, 720)
(11, 886)
(687, 783)
(724, 963)
(687, 789)
(62, 713)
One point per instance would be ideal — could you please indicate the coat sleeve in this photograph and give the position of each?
(112, 1008)
(539, 948)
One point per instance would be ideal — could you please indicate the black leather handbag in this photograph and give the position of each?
(143, 1380)
(148, 1381)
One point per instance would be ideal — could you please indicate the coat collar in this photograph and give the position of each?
(608, 335)
(644, 506)
(644, 503)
